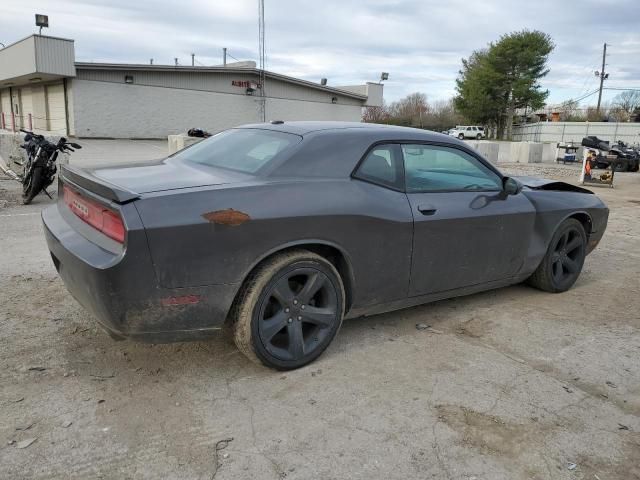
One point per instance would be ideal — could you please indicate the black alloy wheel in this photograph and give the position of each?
(567, 256)
(297, 313)
(290, 310)
(562, 264)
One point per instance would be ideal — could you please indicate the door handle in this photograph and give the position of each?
(427, 209)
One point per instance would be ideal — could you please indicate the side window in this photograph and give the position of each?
(431, 168)
(382, 165)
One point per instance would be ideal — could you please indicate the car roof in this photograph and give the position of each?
(333, 149)
(386, 132)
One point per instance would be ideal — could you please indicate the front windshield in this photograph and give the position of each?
(245, 150)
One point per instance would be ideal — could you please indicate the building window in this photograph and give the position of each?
(128, 79)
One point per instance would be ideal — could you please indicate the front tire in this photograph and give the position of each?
(34, 185)
(479, 136)
(289, 310)
(562, 264)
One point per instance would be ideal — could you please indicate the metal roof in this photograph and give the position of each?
(220, 69)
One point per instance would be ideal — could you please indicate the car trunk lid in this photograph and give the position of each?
(125, 183)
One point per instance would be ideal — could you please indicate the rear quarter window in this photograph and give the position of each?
(245, 150)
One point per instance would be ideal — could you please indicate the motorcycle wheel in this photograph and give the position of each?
(34, 184)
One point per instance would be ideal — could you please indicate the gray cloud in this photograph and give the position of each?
(419, 42)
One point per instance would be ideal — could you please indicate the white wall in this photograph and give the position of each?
(118, 110)
(575, 131)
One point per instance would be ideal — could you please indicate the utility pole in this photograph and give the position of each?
(603, 76)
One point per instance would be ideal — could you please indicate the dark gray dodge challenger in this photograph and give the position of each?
(282, 230)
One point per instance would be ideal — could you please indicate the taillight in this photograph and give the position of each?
(98, 216)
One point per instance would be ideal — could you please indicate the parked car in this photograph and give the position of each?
(463, 131)
(282, 230)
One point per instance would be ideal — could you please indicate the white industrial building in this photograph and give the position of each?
(43, 87)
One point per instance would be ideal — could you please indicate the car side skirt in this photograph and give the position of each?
(433, 297)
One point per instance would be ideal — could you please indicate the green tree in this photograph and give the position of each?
(496, 81)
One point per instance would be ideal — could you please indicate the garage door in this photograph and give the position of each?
(55, 109)
(26, 106)
(5, 106)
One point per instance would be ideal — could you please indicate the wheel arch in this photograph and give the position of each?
(332, 252)
(584, 218)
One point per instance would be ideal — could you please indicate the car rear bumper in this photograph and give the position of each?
(122, 292)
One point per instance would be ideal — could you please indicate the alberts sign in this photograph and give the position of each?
(244, 84)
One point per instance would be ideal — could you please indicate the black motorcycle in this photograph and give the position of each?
(40, 167)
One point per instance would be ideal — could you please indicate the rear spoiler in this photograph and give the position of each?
(84, 179)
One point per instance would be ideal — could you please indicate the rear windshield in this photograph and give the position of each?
(245, 150)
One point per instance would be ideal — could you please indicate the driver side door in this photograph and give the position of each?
(467, 230)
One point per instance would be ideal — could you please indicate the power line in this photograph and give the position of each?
(586, 95)
(635, 89)
(589, 79)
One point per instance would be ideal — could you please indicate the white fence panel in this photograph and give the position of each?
(575, 131)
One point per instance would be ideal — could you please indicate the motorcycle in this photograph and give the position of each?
(40, 167)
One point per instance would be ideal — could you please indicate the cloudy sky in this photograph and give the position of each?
(420, 43)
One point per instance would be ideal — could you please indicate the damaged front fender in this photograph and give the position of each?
(545, 184)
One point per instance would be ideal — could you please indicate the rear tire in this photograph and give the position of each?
(289, 310)
(36, 182)
(479, 136)
(461, 136)
(562, 264)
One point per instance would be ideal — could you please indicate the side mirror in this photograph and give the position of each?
(511, 186)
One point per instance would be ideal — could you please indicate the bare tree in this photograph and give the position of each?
(629, 101)
(618, 114)
(410, 110)
(376, 114)
(568, 110)
(443, 115)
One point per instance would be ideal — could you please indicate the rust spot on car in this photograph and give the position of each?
(228, 216)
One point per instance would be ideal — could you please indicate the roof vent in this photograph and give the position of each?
(323, 81)
(277, 122)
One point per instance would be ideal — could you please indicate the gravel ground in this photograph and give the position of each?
(508, 384)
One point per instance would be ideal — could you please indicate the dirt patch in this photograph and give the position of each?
(488, 433)
(9, 198)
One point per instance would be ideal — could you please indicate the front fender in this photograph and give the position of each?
(553, 208)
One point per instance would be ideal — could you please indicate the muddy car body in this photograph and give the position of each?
(379, 217)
